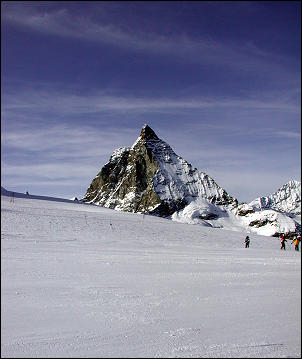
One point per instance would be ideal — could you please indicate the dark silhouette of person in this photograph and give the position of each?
(247, 242)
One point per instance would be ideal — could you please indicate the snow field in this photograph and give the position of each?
(79, 280)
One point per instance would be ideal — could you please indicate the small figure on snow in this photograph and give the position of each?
(247, 242)
(283, 240)
(297, 241)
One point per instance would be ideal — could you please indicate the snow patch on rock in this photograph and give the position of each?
(149, 177)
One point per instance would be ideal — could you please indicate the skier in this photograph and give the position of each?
(247, 242)
(297, 241)
(283, 240)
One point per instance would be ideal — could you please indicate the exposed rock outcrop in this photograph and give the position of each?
(149, 177)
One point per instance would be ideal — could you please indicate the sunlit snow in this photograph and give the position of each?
(79, 280)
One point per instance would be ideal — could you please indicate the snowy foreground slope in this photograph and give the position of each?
(80, 280)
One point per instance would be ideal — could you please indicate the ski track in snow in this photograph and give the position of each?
(79, 280)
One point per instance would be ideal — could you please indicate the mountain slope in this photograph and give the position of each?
(83, 281)
(287, 199)
(149, 177)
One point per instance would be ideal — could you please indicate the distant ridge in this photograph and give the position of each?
(287, 199)
(5, 192)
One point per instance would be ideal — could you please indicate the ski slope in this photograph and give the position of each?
(80, 280)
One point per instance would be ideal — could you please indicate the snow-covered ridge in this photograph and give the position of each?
(13, 195)
(119, 152)
(176, 179)
(287, 199)
(150, 177)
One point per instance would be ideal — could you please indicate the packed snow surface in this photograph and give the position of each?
(79, 280)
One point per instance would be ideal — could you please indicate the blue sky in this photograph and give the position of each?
(219, 81)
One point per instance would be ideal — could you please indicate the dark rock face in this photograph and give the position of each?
(209, 216)
(260, 223)
(150, 177)
(125, 182)
(147, 134)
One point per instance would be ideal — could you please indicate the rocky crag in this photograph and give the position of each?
(287, 200)
(149, 177)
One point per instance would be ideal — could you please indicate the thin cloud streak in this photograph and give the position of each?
(63, 103)
(46, 171)
(288, 134)
(49, 176)
(209, 51)
(74, 143)
(66, 141)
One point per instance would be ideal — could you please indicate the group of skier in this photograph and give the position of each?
(296, 240)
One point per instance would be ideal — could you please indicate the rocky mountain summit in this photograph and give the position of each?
(287, 200)
(149, 177)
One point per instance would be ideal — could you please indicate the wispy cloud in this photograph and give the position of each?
(241, 56)
(57, 155)
(65, 142)
(74, 141)
(48, 177)
(47, 171)
(66, 103)
(288, 134)
(62, 23)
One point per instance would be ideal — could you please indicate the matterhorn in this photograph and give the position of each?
(149, 177)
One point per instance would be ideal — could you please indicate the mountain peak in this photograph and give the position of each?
(286, 199)
(149, 177)
(147, 133)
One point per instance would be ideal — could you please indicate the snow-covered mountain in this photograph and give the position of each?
(149, 177)
(287, 199)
